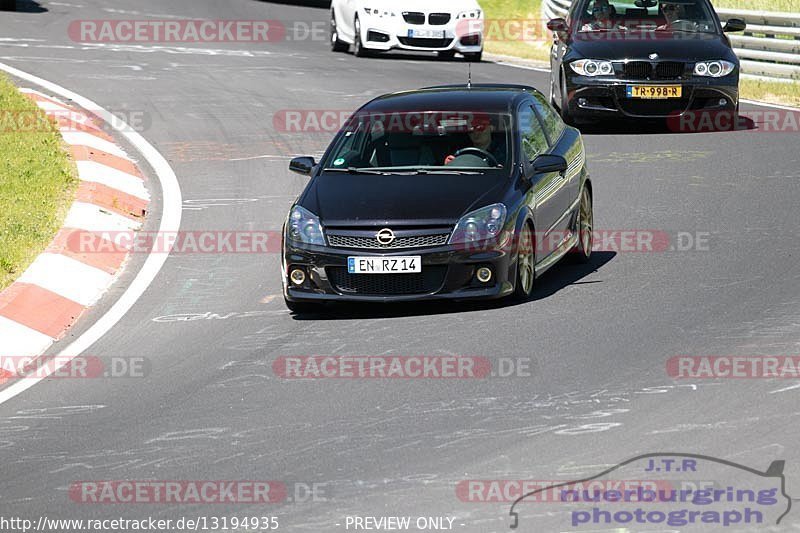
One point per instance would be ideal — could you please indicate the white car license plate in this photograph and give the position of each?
(426, 34)
(385, 265)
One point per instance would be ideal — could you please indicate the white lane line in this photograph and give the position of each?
(170, 222)
(790, 387)
(90, 217)
(68, 278)
(116, 179)
(93, 141)
(767, 104)
(22, 341)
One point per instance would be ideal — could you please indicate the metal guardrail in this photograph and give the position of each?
(769, 47)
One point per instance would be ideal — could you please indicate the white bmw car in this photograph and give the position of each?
(444, 26)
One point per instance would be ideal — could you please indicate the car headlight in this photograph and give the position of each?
(592, 67)
(375, 12)
(471, 14)
(713, 69)
(303, 226)
(479, 225)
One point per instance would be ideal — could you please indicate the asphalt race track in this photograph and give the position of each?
(598, 336)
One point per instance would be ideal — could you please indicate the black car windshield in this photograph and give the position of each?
(432, 141)
(693, 16)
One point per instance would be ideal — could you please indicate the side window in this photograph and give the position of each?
(531, 133)
(553, 125)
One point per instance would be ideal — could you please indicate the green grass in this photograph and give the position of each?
(789, 6)
(771, 91)
(516, 10)
(37, 183)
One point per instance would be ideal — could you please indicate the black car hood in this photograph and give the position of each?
(616, 46)
(370, 200)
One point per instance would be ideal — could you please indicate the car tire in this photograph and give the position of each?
(564, 107)
(337, 45)
(300, 308)
(474, 57)
(584, 225)
(8, 5)
(358, 46)
(526, 260)
(446, 54)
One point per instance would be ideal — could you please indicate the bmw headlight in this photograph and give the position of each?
(375, 12)
(479, 225)
(471, 14)
(303, 226)
(713, 69)
(592, 67)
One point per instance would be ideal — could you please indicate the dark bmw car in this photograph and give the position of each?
(446, 192)
(642, 58)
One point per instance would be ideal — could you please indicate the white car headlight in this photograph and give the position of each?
(479, 225)
(375, 12)
(304, 226)
(471, 14)
(592, 67)
(713, 69)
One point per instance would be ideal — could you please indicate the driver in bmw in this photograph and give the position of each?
(481, 130)
(671, 12)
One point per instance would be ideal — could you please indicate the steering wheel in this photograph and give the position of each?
(483, 154)
(683, 24)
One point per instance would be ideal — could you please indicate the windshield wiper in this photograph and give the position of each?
(354, 170)
(448, 171)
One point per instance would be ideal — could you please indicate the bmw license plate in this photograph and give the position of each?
(385, 265)
(657, 92)
(426, 34)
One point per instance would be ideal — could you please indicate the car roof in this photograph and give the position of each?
(478, 97)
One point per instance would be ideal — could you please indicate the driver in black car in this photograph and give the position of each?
(481, 134)
(671, 12)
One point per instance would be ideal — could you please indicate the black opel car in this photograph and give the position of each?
(642, 58)
(446, 192)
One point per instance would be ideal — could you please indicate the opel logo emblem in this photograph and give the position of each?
(385, 236)
(653, 56)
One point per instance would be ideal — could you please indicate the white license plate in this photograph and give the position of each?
(426, 34)
(385, 265)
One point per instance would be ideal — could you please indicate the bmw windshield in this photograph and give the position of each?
(692, 16)
(436, 142)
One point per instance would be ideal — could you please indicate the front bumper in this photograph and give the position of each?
(388, 33)
(602, 97)
(447, 273)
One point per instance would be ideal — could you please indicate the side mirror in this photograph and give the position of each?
(302, 165)
(558, 25)
(549, 163)
(735, 25)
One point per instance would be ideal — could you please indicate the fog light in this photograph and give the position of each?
(582, 102)
(723, 102)
(297, 276)
(484, 274)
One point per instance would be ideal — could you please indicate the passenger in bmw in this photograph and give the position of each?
(602, 17)
(481, 135)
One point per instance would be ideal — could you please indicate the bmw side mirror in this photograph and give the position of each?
(735, 25)
(549, 163)
(302, 165)
(557, 25)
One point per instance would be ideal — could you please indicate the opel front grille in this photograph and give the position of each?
(370, 242)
